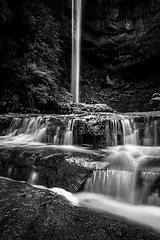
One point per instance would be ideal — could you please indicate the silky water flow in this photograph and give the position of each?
(128, 188)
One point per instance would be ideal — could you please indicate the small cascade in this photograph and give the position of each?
(64, 130)
(56, 138)
(34, 129)
(34, 178)
(123, 186)
(68, 136)
(10, 170)
(28, 129)
(127, 179)
(154, 199)
(63, 134)
(121, 132)
(114, 183)
(150, 133)
(130, 132)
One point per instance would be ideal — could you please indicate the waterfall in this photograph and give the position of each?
(145, 215)
(63, 134)
(68, 131)
(123, 186)
(121, 132)
(126, 179)
(29, 130)
(150, 133)
(132, 178)
(68, 136)
(115, 183)
(76, 35)
(130, 133)
(34, 177)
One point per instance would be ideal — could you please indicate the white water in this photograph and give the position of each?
(121, 132)
(115, 183)
(117, 132)
(130, 132)
(33, 179)
(32, 131)
(76, 36)
(151, 133)
(121, 182)
(118, 183)
(129, 178)
(144, 215)
(115, 190)
(25, 130)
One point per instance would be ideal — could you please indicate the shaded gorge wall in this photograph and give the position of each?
(121, 50)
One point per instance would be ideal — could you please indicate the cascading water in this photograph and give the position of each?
(63, 134)
(121, 131)
(118, 131)
(28, 129)
(125, 191)
(68, 136)
(76, 36)
(151, 133)
(133, 177)
(114, 183)
(125, 180)
(33, 130)
(130, 132)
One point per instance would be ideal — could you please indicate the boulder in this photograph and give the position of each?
(30, 213)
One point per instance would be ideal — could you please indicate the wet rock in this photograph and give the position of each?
(155, 101)
(4, 123)
(30, 213)
(83, 107)
(49, 167)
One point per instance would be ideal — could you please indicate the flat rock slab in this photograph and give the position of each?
(29, 213)
(48, 166)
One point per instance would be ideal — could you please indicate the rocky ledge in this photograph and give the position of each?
(30, 213)
(50, 167)
(94, 128)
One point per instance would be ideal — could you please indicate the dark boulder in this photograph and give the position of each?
(30, 213)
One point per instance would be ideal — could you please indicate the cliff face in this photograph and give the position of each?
(120, 54)
(121, 44)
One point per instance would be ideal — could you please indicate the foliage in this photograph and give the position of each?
(31, 56)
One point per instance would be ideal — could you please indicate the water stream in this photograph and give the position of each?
(130, 187)
(64, 131)
(144, 215)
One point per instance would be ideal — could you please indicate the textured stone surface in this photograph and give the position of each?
(30, 213)
(48, 166)
(120, 42)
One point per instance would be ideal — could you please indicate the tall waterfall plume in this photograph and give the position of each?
(76, 36)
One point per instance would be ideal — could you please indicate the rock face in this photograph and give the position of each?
(49, 167)
(122, 52)
(155, 101)
(119, 63)
(29, 213)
